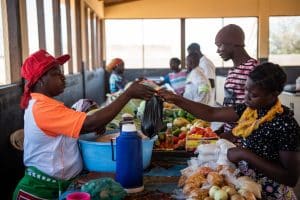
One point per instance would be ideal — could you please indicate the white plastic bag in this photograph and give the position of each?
(207, 149)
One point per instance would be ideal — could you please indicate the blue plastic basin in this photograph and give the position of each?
(97, 156)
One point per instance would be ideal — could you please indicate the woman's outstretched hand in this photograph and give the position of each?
(167, 95)
(140, 91)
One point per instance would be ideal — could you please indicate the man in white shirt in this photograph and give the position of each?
(208, 67)
(197, 86)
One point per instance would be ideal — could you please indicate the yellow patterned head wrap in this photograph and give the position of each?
(249, 122)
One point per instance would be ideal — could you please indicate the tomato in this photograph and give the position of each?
(182, 135)
(175, 140)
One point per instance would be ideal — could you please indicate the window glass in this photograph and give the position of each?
(49, 30)
(284, 40)
(161, 42)
(2, 56)
(95, 39)
(73, 34)
(124, 39)
(32, 26)
(249, 26)
(204, 30)
(143, 43)
(64, 34)
(89, 37)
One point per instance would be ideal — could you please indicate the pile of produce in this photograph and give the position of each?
(211, 176)
(184, 125)
(130, 108)
(222, 183)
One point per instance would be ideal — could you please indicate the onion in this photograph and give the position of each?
(220, 195)
(213, 190)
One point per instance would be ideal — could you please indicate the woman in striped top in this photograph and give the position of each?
(230, 46)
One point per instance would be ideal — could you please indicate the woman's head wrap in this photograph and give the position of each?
(34, 67)
(231, 34)
(114, 63)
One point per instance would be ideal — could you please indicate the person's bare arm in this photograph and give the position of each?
(285, 173)
(199, 110)
(99, 119)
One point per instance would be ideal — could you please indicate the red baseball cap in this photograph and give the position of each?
(34, 67)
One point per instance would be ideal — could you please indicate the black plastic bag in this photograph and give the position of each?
(152, 120)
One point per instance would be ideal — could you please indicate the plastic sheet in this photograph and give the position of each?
(104, 189)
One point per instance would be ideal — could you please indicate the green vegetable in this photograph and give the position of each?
(190, 117)
(175, 114)
(181, 113)
(176, 132)
(112, 126)
(168, 113)
(167, 120)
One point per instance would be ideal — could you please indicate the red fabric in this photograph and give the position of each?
(26, 196)
(33, 69)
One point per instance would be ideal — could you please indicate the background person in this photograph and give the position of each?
(197, 86)
(208, 67)
(230, 46)
(51, 130)
(177, 77)
(116, 80)
(270, 134)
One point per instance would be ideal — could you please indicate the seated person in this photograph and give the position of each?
(116, 80)
(197, 86)
(268, 130)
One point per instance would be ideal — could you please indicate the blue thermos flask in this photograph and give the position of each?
(129, 159)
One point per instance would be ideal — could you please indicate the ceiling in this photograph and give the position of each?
(113, 2)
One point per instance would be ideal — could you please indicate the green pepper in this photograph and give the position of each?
(175, 114)
(176, 132)
(190, 117)
(181, 113)
(168, 113)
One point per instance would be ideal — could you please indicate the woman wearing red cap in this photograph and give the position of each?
(51, 130)
(230, 46)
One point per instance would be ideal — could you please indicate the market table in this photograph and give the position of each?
(160, 179)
